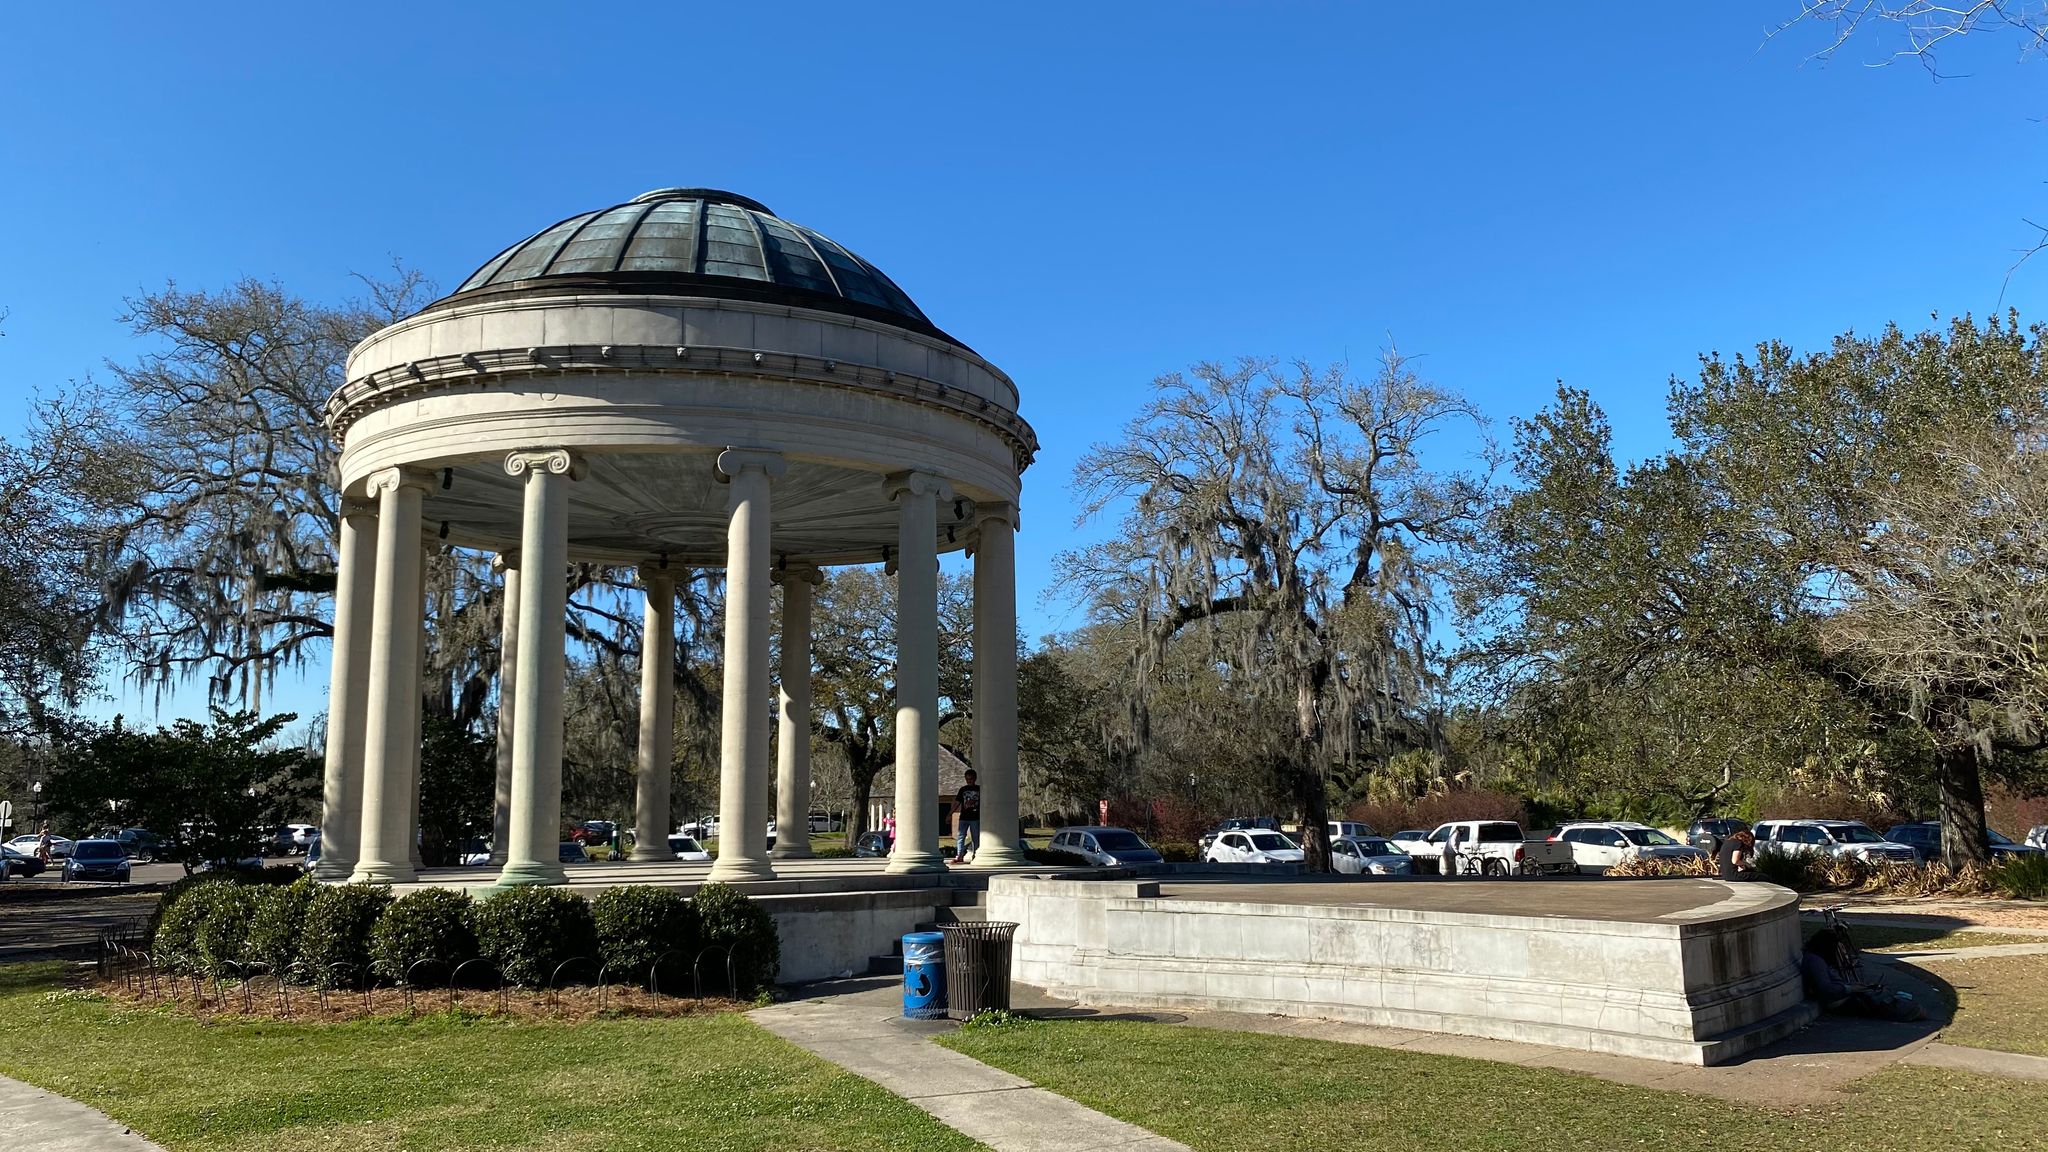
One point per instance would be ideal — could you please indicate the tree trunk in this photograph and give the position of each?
(1960, 781)
(863, 787)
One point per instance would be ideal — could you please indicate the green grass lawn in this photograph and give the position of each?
(2001, 1002)
(1889, 938)
(442, 1082)
(1230, 1091)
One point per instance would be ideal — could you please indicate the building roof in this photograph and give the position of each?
(696, 242)
(952, 776)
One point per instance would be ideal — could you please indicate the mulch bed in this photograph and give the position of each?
(262, 999)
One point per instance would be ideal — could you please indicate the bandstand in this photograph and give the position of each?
(680, 380)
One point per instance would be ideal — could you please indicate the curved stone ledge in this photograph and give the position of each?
(1699, 976)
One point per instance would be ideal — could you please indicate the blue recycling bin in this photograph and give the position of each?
(924, 976)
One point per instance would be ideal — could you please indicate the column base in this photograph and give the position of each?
(381, 872)
(795, 852)
(999, 857)
(915, 862)
(728, 871)
(527, 873)
(335, 873)
(642, 854)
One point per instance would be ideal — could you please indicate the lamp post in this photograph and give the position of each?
(36, 791)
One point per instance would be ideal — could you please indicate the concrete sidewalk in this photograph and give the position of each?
(859, 1026)
(38, 1121)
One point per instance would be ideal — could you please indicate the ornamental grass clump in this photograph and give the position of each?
(423, 937)
(2021, 877)
(334, 951)
(732, 921)
(1689, 866)
(639, 926)
(532, 933)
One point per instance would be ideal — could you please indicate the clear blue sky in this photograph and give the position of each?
(1089, 195)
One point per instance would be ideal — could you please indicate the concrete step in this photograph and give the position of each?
(891, 965)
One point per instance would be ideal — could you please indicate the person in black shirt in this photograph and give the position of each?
(966, 820)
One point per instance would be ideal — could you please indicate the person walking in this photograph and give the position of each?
(43, 843)
(1449, 864)
(966, 820)
(889, 827)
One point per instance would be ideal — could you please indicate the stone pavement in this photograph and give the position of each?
(858, 1025)
(37, 1121)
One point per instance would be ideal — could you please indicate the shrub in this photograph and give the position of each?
(220, 929)
(1665, 866)
(1178, 851)
(430, 924)
(279, 922)
(1799, 871)
(334, 950)
(2022, 877)
(735, 922)
(172, 927)
(529, 933)
(637, 925)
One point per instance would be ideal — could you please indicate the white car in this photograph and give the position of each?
(1351, 828)
(2038, 836)
(1597, 845)
(1413, 841)
(1832, 838)
(1254, 846)
(821, 822)
(1369, 856)
(687, 848)
(60, 848)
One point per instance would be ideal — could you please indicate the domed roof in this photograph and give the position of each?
(696, 242)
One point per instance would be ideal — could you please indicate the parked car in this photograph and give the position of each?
(1357, 828)
(1597, 845)
(1369, 856)
(311, 859)
(26, 843)
(2038, 835)
(1494, 848)
(1707, 832)
(686, 848)
(871, 845)
(1105, 846)
(1233, 824)
(292, 839)
(573, 853)
(1924, 838)
(1414, 842)
(1253, 846)
(22, 864)
(1832, 837)
(97, 860)
(476, 853)
(825, 822)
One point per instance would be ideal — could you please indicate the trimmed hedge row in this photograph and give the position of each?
(340, 935)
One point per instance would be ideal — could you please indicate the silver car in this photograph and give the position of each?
(1369, 856)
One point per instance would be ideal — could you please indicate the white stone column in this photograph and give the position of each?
(348, 688)
(917, 670)
(793, 727)
(743, 740)
(419, 712)
(657, 716)
(995, 682)
(394, 684)
(533, 848)
(508, 675)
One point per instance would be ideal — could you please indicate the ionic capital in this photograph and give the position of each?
(556, 461)
(798, 573)
(392, 479)
(352, 509)
(506, 561)
(896, 484)
(653, 577)
(987, 510)
(734, 461)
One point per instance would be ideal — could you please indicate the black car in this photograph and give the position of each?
(1707, 832)
(1924, 838)
(97, 860)
(573, 853)
(22, 865)
(871, 846)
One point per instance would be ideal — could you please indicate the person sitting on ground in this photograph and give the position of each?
(1828, 968)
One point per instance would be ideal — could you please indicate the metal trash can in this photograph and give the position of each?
(977, 966)
(924, 976)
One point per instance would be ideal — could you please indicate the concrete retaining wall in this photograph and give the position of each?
(1694, 988)
(825, 935)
